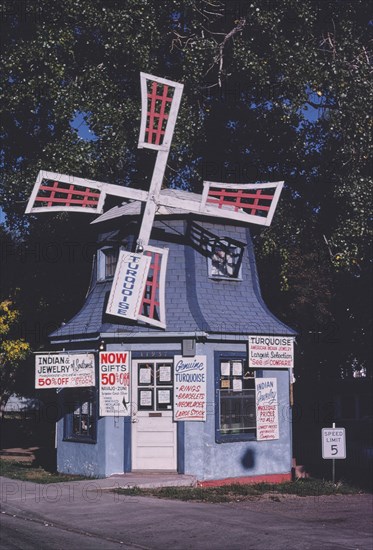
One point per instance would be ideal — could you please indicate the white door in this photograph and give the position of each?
(153, 428)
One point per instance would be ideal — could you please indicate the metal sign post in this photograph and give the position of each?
(333, 445)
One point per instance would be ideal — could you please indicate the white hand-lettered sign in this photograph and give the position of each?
(64, 370)
(190, 388)
(266, 409)
(114, 383)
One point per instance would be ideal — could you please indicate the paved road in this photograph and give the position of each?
(80, 515)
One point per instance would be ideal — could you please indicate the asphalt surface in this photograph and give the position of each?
(81, 515)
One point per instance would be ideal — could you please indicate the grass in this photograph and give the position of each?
(240, 492)
(26, 471)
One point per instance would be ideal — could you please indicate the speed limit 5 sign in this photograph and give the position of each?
(333, 442)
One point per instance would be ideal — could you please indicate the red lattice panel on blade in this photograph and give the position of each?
(160, 97)
(253, 202)
(55, 193)
(150, 301)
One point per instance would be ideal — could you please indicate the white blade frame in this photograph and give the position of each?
(162, 288)
(105, 188)
(167, 138)
(226, 212)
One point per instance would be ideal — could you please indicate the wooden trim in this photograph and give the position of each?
(254, 186)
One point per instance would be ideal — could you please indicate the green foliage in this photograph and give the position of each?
(240, 492)
(13, 351)
(26, 471)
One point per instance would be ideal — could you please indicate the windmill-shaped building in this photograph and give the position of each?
(174, 362)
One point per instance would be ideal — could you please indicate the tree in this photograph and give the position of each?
(12, 351)
(279, 90)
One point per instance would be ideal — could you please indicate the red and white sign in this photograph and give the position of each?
(64, 370)
(114, 383)
(128, 285)
(266, 409)
(271, 352)
(190, 388)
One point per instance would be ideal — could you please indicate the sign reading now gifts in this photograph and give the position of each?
(114, 383)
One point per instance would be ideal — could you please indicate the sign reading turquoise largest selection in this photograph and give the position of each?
(271, 352)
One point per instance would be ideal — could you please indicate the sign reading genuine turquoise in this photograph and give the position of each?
(190, 388)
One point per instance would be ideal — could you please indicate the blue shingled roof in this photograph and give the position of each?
(194, 302)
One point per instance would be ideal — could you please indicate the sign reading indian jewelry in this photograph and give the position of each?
(64, 370)
(190, 388)
(266, 409)
(128, 285)
(271, 352)
(114, 383)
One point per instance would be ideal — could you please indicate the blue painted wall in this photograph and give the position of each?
(209, 460)
(102, 459)
(201, 455)
(81, 458)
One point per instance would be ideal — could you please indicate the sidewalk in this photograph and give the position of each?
(143, 480)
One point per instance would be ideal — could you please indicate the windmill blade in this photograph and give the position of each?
(249, 202)
(160, 102)
(55, 192)
(153, 310)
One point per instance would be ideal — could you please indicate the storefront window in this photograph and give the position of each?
(236, 410)
(80, 415)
